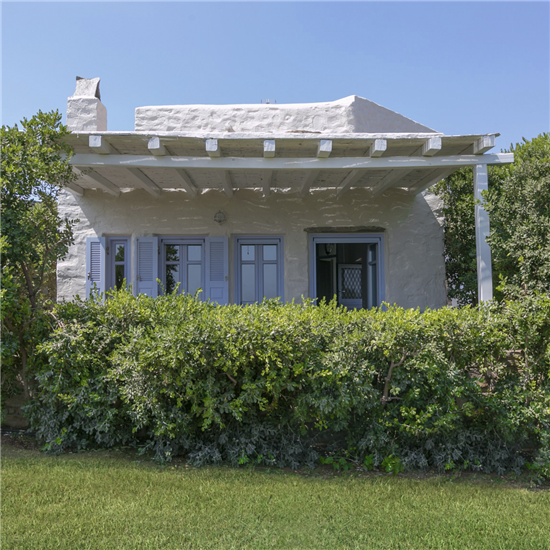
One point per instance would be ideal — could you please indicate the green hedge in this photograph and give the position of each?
(285, 384)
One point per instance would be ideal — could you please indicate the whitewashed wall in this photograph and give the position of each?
(414, 265)
(347, 115)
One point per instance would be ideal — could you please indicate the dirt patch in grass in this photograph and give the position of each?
(20, 441)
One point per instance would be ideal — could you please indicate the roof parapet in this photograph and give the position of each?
(351, 114)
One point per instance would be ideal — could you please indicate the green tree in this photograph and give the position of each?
(518, 203)
(457, 193)
(35, 166)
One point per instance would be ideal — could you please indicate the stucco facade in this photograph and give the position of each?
(414, 265)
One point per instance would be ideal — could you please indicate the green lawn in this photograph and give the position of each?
(107, 500)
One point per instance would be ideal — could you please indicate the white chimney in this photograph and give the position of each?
(85, 112)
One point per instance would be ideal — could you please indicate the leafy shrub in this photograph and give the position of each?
(285, 384)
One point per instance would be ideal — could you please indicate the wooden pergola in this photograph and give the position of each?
(294, 163)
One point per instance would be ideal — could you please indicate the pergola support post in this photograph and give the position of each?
(483, 251)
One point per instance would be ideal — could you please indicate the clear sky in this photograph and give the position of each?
(457, 67)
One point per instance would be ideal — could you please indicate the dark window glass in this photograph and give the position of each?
(119, 252)
(172, 253)
(351, 273)
(119, 276)
(172, 277)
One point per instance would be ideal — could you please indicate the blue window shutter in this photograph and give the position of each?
(96, 268)
(146, 267)
(217, 269)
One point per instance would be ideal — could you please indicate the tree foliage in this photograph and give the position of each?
(518, 203)
(35, 167)
(457, 193)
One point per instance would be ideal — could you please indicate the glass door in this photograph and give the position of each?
(346, 268)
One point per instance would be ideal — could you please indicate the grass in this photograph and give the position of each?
(111, 500)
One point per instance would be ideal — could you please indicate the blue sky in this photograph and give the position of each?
(458, 67)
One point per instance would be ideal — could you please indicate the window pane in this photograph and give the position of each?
(119, 276)
(119, 252)
(247, 252)
(193, 278)
(248, 283)
(194, 253)
(172, 277)
(270, 252)
(172, 253)
(270, 281)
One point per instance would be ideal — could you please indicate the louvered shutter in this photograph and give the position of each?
(217, 269)
(146, 266)
(95, 265)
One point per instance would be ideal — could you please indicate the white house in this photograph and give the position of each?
(247, 201)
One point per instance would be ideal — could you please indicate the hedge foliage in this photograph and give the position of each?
(285, 384)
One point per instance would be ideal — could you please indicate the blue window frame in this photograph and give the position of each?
(258, 269)
(118, 262)
(182, 264)
(184, 260)
(348, 266)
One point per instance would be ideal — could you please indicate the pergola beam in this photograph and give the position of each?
(269, 148)
(226, 183)
(145, 183)
(75, 189)
(266, 177)
(186, 182)
(289, 163)
(351, 179)
(213, 148)
(308, 182)
(429, 180)
(484, 144)
(100, 145)
(431, 147)
(156, 147)
(98, 181)
(389, 180)
(324, 149)
(378, 148)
